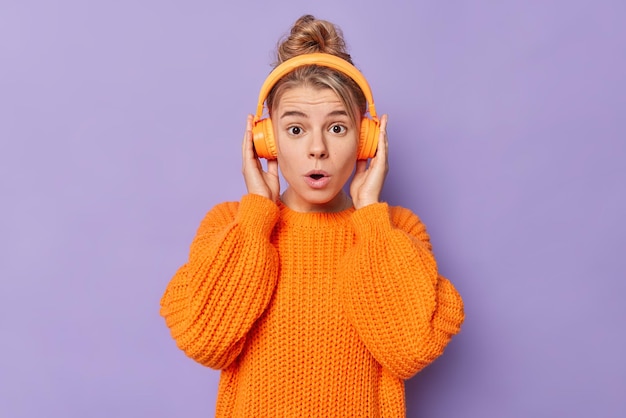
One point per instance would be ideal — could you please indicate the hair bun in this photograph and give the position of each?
(309, 35)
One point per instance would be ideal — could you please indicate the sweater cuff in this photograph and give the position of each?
(257, 213)
(372, 218)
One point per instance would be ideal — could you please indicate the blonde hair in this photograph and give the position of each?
(309, 35)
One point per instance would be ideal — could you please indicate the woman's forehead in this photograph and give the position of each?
(310, 96)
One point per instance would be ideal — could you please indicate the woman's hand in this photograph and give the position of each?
(263, 183)
(367, 183)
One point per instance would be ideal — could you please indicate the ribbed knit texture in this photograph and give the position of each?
(311, 314)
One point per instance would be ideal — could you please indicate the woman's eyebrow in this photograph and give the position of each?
(297, 113)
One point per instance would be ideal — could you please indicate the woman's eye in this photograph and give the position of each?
(338, 129)
(294, 130)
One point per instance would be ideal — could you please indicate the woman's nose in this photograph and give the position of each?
(317, 146)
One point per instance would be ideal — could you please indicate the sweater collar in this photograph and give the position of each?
(313, 219)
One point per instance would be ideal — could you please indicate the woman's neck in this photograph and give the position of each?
(338, 203)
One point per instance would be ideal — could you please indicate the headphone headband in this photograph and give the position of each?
(324, 60)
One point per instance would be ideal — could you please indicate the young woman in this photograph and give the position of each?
(313, 301)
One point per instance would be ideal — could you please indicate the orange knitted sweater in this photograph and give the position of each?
(311, 314)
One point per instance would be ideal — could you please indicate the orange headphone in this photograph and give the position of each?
(262, 131)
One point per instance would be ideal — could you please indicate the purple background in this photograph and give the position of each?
(120, 126)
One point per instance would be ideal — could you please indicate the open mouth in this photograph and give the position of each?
(316, 176)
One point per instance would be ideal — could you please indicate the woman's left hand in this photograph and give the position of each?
(367, 183)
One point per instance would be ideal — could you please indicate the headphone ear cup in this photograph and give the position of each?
(370, 131)
(263, 138)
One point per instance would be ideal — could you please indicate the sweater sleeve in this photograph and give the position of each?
(214, 299)
(403, 310)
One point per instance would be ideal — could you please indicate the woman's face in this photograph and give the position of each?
(317, 148)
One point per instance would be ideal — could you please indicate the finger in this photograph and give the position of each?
(361, 166)
(383, 124)
(244, 143)
(383, 143)
(247, 147)
(272, 167)
(383, 129)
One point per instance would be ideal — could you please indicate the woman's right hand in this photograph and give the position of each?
(263, 183)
